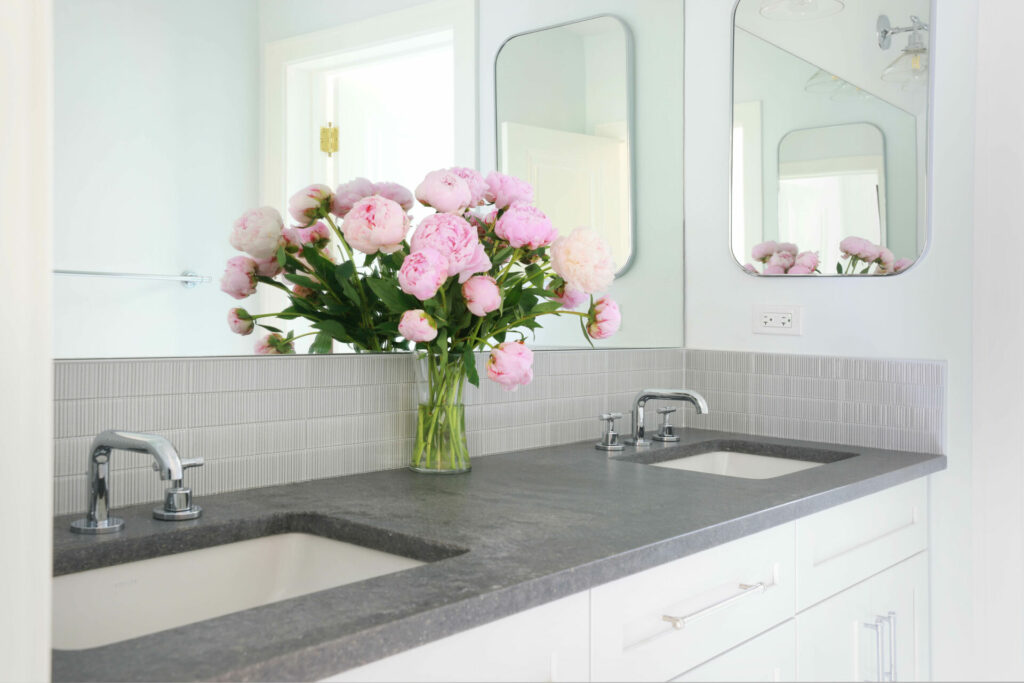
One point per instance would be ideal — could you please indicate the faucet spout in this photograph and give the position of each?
(640, 402)
(168, 463)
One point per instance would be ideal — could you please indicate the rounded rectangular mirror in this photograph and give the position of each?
(564, 110)
(830, 136)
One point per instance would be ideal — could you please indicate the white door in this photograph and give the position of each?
(578, 180)
(874, 631)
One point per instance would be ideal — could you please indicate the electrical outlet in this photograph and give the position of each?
(777, 320)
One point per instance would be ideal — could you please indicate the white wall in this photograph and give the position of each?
(998, 471)
(924, 313)
(649, 292)
(26, 370)
(156, 126)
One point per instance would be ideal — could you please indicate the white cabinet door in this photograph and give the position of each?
(547, 643)
(769, 657)
(875, 631)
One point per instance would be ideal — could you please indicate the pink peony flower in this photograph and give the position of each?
(396, 193)
(478, 188)
(584, 260)
(417, 326)
(569, 297)
(807, 259)
(273, 344)
(303, 292)
(482, 295)
(774, 270)
(444, 191)
(258, 232)
(859, 247)
(239, 279)
(375, 224)
(788, 247)
(523, 225)
(604, 319)
(749, 267)
(310, 203)
(318, 234)
(240, 321)
(268, 267)
(456, 240)
(902, 264)
(347, 194)
(799, 270)
(505, 190)
(510, 365)
(422, 273)
(763, 251)
(782, 259)
(886, 260)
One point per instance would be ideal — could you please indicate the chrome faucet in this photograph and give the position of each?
(177, 501)
(640, 402)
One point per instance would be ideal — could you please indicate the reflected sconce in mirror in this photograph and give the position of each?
(910, 69)
(800, 10)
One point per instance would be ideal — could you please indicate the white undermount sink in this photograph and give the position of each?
(111, 604)
(742, 465)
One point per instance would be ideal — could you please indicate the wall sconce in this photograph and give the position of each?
(800, 10)
(910, 69)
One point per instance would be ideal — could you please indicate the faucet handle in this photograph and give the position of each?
(666, 432)
(178, 503)
(610, 440)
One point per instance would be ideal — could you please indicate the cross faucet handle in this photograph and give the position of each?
(610, 440)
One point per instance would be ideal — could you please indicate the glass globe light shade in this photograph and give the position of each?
(800, 10)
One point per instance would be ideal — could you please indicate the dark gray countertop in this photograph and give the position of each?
(520, 530)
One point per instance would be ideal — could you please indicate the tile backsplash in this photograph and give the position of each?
(266, 421)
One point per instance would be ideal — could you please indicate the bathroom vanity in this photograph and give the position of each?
(558, 563)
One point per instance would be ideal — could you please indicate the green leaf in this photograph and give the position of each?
(864, 272)
(322, 343)
(839, 268)
(304, 281)
(334, 329)
(282, 256)
(269, 327)
(546, 307)
(395, 299)
(469, 362)
(345, 271)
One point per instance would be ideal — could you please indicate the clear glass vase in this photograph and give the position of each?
(440, 446)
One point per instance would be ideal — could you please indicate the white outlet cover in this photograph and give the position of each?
(762, 313)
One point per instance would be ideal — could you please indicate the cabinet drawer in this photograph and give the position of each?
(545, 643)
(769, 657)
(720, 597)
(838, 547)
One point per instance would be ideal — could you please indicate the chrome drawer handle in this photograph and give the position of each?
(679, 623)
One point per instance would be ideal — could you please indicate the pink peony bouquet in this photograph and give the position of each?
(476, 275)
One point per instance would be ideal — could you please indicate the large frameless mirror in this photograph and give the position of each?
(830, 136)
(564, 122)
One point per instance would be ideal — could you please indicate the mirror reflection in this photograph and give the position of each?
(564, 124)
(830, 138)
(175, 116)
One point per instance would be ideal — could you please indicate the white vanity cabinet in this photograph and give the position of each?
(839, 595)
